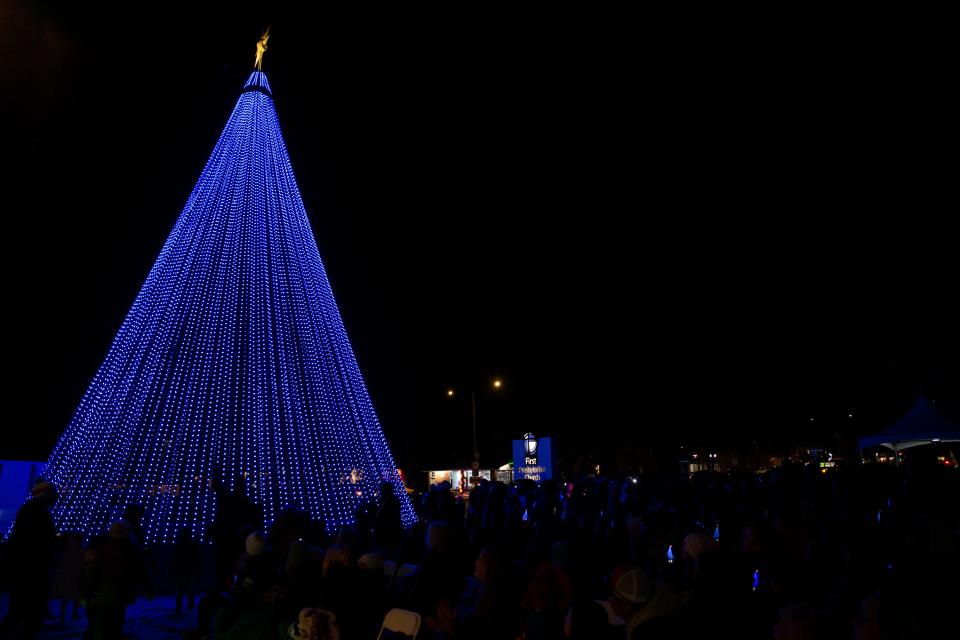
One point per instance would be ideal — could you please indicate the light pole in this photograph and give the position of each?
(496, 383)
(473, 414)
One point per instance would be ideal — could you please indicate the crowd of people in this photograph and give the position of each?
(796, 553)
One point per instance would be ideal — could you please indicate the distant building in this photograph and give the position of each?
(462, 480)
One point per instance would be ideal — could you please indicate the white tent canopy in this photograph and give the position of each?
(923, 424)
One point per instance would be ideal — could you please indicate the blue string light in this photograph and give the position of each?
(233, 360)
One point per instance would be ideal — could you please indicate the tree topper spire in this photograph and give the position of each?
(261, 47)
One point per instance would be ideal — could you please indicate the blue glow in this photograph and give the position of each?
(234, 358)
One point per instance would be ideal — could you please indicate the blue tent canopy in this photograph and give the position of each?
(923, 424)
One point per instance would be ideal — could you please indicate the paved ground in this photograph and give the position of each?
(146, 620)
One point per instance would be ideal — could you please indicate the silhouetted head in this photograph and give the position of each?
(44, 493)
(133, 513)
(255, 544)
(119, 530)
(386, 489)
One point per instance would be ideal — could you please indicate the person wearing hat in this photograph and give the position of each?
(649, 609)
(30, 553)
(256, 571)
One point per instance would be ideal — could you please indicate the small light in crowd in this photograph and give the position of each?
(497, 383)
(670, 554)
(849, 415)
(450, 393)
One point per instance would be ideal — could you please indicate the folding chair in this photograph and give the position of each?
(401, 621)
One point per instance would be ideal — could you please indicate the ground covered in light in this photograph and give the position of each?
(146, 620)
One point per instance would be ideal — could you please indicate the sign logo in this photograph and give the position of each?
(530, 444)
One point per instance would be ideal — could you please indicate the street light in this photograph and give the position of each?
(496, 383)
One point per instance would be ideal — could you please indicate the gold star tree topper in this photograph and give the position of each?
(261, 47)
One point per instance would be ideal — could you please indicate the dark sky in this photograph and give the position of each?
(649, 227)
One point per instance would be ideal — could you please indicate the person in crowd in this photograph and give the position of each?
(546, 600)
(89, 573)
(246, 605)
(119, 573)
(133, 515)
(594, 557)
(65, 586)
(799, 622)
(866, 624)
(185, 568)
(30, 556)
(486, 607)
(387, 525)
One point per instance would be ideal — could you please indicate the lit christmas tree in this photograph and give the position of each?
(233, 362)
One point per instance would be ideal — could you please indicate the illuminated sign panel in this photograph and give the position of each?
(533, 458)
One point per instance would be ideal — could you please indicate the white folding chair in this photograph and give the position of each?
(401, 621)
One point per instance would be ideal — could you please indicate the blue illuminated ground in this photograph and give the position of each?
(146, 620)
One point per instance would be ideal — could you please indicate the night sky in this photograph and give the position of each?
(652, 231)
